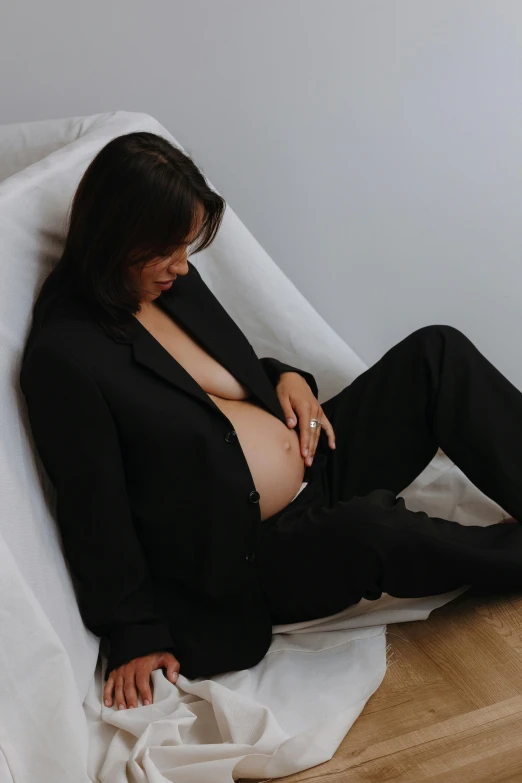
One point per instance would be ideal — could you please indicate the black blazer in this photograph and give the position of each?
(157, 508)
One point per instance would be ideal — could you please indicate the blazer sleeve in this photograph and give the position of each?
(77, 440)
(274, 368)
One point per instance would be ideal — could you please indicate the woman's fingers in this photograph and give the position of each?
(172, 665)
(304, 428)
(310, 435)
(288, 411)
(143, 685)
(118, 693)
(314, 436)
(108, 691)
(133, 677)
(129, 688)
(329, 431)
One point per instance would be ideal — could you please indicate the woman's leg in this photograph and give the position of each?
(433, 389)
(348, 535)
(316, 560)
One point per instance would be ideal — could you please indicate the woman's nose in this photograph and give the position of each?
(182, 270)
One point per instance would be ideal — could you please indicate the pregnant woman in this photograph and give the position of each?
(204, 494)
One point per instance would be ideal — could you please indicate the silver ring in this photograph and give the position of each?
(314, 423)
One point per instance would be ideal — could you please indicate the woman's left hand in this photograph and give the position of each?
(299, 403)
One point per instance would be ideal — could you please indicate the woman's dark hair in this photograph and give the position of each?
(136, 201)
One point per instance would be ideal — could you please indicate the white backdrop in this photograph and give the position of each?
(372, 147)
(291, 710)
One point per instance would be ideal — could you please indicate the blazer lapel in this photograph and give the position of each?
(207, 322)
(148, 352)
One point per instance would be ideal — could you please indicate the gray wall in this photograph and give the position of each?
(373, 147)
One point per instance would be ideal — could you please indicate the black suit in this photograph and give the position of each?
(155, 500)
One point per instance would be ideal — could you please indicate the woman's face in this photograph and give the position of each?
(164, 270)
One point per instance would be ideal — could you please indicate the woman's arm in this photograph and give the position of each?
(274, 368)
(77, 441)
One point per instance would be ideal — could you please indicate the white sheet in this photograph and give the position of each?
(290, 711)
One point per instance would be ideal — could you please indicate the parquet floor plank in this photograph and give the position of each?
(449, 709)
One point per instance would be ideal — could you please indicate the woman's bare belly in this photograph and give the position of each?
(271, 449)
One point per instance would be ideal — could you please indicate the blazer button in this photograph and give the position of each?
(254, 497)
(251, 556)
(231, 436)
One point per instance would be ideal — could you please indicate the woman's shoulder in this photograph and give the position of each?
(69, 333)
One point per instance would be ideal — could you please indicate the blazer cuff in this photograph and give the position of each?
(133, 641)
(274, 368)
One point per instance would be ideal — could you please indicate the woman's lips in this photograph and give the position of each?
(165, 285)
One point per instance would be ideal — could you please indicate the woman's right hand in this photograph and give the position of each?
(133, 677)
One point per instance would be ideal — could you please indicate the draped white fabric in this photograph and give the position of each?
(293, 709)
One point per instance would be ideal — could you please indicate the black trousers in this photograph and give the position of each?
(348, 536)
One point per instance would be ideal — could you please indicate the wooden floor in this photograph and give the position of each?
(449, 709)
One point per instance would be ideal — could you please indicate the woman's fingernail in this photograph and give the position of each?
(146, 701)
(290, 421)
(121, 706)
(106, 702)
(333, 446)
(306, 452)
